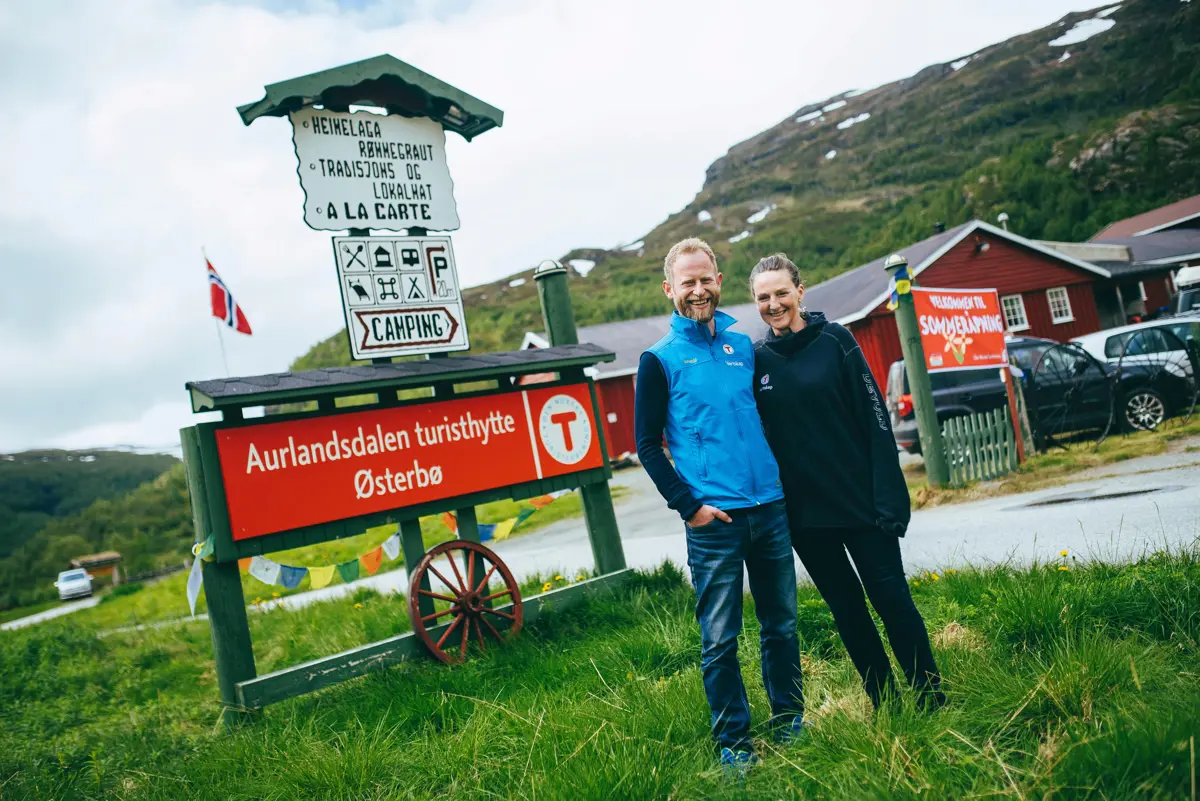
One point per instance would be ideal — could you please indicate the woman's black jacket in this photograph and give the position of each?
(829, 429)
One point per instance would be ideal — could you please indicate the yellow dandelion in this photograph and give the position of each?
(951, 571)
(1064, 568)
(274, 595)
(358, 606)
(558, 578)
(935, 577)
(1063, 552)
(546, 587)
(629, 675)
(916, 583)
(580, 577)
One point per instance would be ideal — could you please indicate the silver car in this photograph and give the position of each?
(73, 584)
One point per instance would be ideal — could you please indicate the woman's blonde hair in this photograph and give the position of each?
(772, 263)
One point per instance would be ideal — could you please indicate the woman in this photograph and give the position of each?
(846, 495)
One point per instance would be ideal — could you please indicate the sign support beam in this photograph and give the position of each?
(605, 537)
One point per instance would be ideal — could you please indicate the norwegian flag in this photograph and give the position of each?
(224, 307)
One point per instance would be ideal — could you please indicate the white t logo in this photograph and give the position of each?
(565, 429)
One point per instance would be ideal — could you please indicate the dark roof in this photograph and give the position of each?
(1162, 246)
(1165, 215)
(384, 81)
(265, 390)
(852, 292)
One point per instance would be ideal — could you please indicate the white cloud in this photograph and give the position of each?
(124, 155)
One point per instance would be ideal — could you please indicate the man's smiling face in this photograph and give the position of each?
(695, 286)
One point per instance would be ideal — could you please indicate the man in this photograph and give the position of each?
(694, 386)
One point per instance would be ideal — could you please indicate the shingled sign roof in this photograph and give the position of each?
(264, 390)
(385, 82)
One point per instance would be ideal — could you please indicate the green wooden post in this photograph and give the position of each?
(228, 625)
(414, 550)
(933, 450)
(605, 537)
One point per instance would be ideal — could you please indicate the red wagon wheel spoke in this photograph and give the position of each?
(491, 628)
(456, 588)
(486, 576)
(501, 614)
(462, 584)
(469, 599)
(436, 615)
(449, 629)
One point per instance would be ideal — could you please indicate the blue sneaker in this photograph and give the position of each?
(736, 764)
(792, 733)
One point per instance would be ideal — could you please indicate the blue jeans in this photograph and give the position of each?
(757, 538)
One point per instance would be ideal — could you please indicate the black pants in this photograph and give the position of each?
(826, 554)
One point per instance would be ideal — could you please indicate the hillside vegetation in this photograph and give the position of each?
(1064, 146)
(1065, 681)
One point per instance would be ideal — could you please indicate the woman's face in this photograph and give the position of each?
(778, 300)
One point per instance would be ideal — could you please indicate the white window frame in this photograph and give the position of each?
(1069, 317)
(1142, 291)
(1020, 306)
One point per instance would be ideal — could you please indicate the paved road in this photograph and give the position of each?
(1162, 511)
(50, 614)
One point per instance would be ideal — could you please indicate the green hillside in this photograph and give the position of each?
(150, 526)
(38, 486)
(1062, 146)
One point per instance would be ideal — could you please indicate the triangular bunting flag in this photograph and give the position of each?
(244, 564)
(290, 577)
(544, 500)
(348, 570)
(504, 529)
(264, 569)
(370, 561)
(485, 531)
(450, 521)
(391, 547)
(319, 577)
(523, 515)
(195, 582)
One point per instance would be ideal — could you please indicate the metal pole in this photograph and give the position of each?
(605, 537)
(933, 449)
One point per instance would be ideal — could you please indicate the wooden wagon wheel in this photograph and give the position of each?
(463, 598)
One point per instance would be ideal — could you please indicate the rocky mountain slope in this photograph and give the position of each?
(1093, 118)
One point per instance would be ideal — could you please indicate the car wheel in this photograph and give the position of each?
(1143, 410)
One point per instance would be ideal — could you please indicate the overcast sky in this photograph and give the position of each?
(123, 155)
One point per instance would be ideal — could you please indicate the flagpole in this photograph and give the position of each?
(220, 339)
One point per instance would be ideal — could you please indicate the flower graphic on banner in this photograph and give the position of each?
(956, 345)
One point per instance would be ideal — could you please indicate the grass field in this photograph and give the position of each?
(1066, 680)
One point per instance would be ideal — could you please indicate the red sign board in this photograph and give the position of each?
(960, 328)
(285, 475)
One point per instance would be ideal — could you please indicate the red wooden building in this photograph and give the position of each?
(1047, 289)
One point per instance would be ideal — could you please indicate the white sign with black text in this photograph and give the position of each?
(400, 295)
(365, 170)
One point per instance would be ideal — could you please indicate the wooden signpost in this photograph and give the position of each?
(260, 486)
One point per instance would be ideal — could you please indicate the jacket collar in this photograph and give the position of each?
(698, 332)
(794, 341)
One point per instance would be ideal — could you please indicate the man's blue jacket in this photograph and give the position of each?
(696, 389)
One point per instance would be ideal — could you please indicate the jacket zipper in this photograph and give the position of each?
(741, 435)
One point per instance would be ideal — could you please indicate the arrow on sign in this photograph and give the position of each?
(392, 328)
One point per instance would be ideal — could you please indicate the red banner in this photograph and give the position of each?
(280, 476)
(960, 328)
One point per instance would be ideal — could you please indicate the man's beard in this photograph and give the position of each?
(702, 314)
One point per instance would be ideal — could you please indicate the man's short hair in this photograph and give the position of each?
(690, 245)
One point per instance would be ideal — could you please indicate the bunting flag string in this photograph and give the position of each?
(271, 572)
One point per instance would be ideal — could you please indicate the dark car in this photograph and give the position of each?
(1066, 389)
